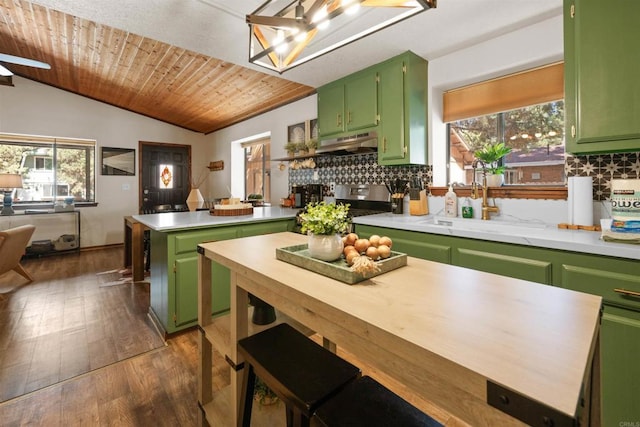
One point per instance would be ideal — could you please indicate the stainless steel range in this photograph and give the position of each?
(363, 199)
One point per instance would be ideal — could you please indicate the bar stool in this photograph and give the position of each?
(367, 403)
(300, 372)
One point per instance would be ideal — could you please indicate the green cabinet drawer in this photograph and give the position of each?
(603, 283)
(187, 241)
(264, 228)
(505, 265)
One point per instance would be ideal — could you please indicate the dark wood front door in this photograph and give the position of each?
(164, 175)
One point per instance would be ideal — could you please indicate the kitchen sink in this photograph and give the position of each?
(493, 225)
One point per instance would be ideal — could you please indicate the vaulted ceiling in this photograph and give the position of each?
(185, 61)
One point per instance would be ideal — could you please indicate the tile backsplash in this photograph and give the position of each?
(357, 169)
(603, 168)
(364, 169)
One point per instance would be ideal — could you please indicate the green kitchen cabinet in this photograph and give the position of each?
(602, 60)
(174, 271)
(619, 335)
(402, 100)
(348, 105)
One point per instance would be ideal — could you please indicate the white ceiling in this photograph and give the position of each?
(217, 28)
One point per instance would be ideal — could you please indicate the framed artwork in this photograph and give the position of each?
(118, 161)
(313, 129)
(297, 132)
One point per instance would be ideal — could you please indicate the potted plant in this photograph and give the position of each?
(490, 155)
(324, 223)
(302, 148)
(291, 148)
(312, 144)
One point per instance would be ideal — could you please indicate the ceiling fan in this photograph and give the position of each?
(4, 72)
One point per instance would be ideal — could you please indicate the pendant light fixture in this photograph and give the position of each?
(286, 33)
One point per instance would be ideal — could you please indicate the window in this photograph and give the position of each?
(534, 133)
(51, 168)
(257, 168)
(523, 110)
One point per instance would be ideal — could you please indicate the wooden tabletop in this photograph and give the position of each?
(444, 331)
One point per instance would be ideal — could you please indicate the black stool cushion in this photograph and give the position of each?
(301, 372)
(366, 402)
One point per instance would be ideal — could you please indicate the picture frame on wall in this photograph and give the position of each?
(312, 131)
(118, 161)
(297, 132)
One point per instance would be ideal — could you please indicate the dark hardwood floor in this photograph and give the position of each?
(74, 353)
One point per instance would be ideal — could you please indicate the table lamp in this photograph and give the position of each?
(9, 181)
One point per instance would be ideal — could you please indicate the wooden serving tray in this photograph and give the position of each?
(338, 270)
(231, 212)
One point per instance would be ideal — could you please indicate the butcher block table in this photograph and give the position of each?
(488, 349)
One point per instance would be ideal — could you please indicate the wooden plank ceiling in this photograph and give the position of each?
(136, 73)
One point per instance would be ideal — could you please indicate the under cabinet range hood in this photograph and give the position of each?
(355, 144)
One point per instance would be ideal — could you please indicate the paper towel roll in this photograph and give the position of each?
(580, 200)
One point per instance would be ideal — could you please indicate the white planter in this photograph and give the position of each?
(494, 180)
(325, 247)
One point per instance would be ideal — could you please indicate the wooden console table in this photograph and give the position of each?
(488, 349)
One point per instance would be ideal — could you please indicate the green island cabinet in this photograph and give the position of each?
(608, 277)
(389, 98)
(348, 104)
(602, 62)
(174, 271)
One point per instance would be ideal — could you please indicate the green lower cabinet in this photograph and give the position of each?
(620, 366)
(505, 265)
(174, 271)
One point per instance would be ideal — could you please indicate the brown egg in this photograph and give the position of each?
(351, 239)
(372, 252)
(374, 240)
(384, 251)
(361, 245)
(348, 249)
(351, 256)
(384, 240)
(344, 240)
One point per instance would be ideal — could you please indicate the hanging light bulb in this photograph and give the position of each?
(278, 42)
(321, 18)
(299, 11)
(350, 7)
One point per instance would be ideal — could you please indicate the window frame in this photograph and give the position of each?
(55, 144)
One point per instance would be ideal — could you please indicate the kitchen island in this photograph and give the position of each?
(478, 345)
(174, 274)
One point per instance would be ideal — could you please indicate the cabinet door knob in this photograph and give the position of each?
(338, 119)
(628, 293)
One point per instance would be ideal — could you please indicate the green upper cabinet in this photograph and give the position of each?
(402, 99)
(602, 61)
(348, 105)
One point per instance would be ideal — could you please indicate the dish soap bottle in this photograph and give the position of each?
(467, 209)
(450, 203)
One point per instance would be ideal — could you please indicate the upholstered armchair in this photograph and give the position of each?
(13, 243)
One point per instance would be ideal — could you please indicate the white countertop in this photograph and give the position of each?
(529, 234)
(173, 221)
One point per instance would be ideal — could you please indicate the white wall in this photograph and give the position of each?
(274, 122)
(37, 109)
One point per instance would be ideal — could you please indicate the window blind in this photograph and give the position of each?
(535, 86)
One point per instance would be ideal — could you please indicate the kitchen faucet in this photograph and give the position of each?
(486, 208)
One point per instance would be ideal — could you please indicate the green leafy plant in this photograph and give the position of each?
(325, 218)
(291, 147)
(301, 146)
(312, 144)
(263, 394)
(490, 155)
(255, 197)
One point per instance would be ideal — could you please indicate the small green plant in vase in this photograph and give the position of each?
(311, 144)
(302, 148)
(291, 148)
(490, 155)
(324, 223)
